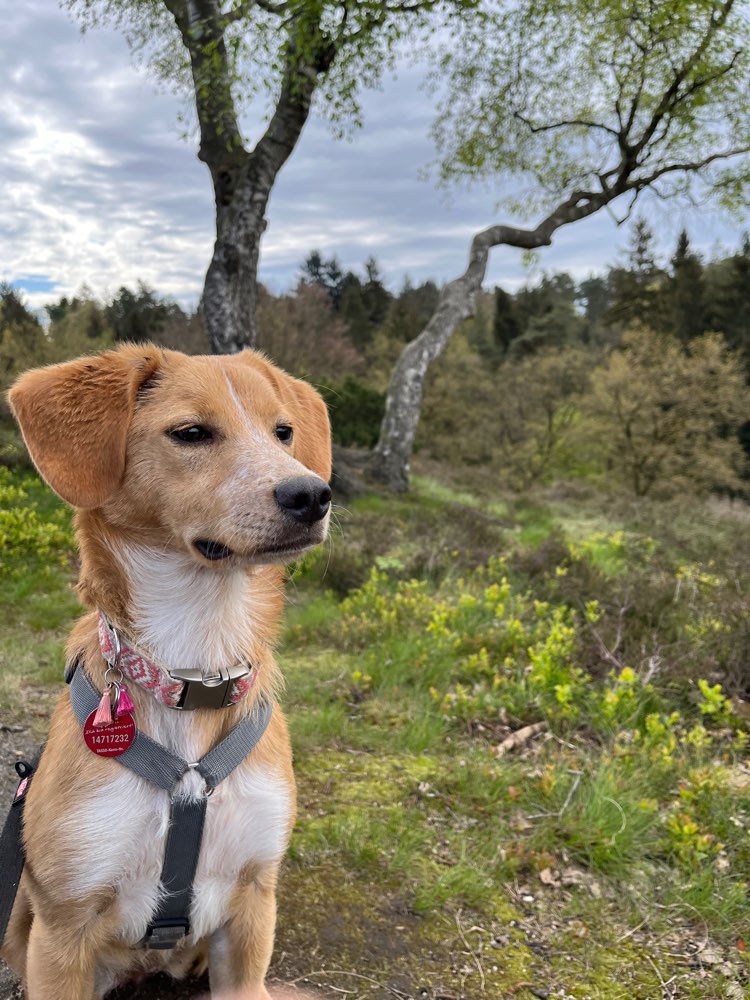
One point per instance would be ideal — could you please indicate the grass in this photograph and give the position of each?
(602, 858)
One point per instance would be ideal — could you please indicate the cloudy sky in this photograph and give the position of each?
(98, 187)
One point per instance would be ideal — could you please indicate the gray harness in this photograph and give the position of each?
(152, 761)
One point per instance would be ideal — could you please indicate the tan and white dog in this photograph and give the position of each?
(194, 480)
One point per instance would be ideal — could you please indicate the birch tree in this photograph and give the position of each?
(229, 52)
(578, 105)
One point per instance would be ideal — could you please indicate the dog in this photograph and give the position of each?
(194, 479)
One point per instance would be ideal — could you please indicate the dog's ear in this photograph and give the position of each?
(312, 428)
(74, 418)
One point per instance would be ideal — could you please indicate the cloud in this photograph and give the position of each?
(98, 188)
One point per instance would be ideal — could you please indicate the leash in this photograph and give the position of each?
(159, 766)
(11, 846)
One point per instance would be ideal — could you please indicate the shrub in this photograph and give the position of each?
(356, 412)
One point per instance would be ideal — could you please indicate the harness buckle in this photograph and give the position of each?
(207, 692)
(164, 934)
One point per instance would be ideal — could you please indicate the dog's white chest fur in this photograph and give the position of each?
(120, 833)
(191, 618)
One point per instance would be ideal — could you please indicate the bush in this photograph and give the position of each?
(356, 412)
(28, 534)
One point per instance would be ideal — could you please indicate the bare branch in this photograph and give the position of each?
(200, 23)
(671, 95)
(563, 124)
(688, 167)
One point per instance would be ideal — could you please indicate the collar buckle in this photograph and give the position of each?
(207, 692)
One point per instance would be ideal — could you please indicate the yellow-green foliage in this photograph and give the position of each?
(25, 532)
(493, 651)
(482, 654)
(661, 412)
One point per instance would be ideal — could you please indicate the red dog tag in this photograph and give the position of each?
(111, 740)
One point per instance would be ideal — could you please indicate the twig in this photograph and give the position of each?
(520, 737)
(564, 743)
(623, 819)
(632, 930)
(355, 975)
(662, 982)
(471, 951)
(566, 803)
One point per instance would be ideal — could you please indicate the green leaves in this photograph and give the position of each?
(601, 94)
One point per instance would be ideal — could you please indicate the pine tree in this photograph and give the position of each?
(637, 290)
(686, 291)
(728, 298)
(505, 326)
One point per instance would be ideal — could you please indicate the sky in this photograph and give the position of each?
(98, 186)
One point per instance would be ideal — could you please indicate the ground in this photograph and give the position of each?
(600, 854)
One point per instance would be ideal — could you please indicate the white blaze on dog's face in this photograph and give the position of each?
(229, 457)
(223, 457)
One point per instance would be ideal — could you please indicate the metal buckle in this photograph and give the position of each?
(165, 934)
(207, 692)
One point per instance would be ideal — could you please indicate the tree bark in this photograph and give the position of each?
(231, 291)
(230, 288)
(242, 178)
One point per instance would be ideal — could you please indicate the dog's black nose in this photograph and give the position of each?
(306, 498)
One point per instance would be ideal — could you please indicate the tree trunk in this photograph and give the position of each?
(230, 291)
(243, 178)
(242, 186)
(390, 460)
(389, 463)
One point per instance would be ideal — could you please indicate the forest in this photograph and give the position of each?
(636, 375)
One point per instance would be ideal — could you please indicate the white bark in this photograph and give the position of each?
(390, 461)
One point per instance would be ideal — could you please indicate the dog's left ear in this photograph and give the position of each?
(312, 428)
(74, 418)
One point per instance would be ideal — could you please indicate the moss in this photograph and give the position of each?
(362, 934)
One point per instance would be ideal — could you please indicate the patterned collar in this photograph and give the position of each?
(180, 689)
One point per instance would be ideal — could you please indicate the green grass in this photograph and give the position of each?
(595, 860)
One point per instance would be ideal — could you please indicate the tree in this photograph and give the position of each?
(364, 305)
(294, 49)
(637, 290)
(326, 274)
(668, 416)
(548, 314)
(538, 402)
(727, 297)
(302, 333)
(140, 315)
(505, 325)
(586, 103)
(686, 291)
(594, 294)
(22, 337)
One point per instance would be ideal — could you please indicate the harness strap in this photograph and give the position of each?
(11, 844)
(170, 923)
(152, 761)
(160, 766)
(145, 756)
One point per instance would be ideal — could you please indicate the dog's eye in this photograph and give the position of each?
(284, 433)
(193, 434)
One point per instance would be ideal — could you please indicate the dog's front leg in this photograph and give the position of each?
(240, 951)
(55, 967)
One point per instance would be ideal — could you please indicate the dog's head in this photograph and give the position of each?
(224, 457)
